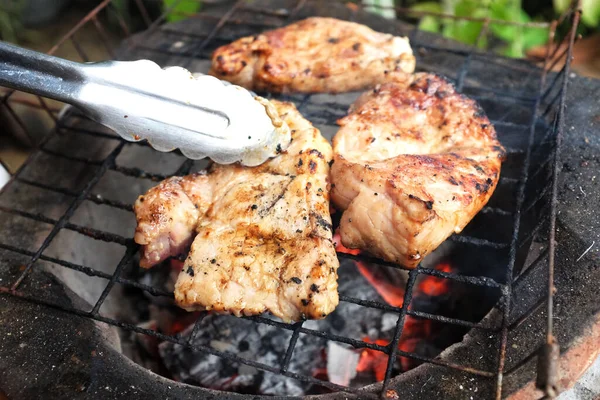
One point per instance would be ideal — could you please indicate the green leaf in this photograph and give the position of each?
(561, 5)
(483, 42)
(428, 6)
(514, 50)
(467, 31)
(465, 8)
(506, 13)
(590, 12)
(182, 9)
(430, 24)
(534, 37)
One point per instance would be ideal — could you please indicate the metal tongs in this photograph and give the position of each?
(200, 115)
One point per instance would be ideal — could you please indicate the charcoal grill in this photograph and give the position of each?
(80, 165)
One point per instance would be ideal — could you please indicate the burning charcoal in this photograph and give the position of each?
(354, 318)
(247, 339)
(372, 361)
(266, 344)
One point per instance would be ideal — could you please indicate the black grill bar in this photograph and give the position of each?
(138, 173)
(550, 340)
(552, 103)
(95, 198)
(477, 242)
(524, 361)
(329, 112)
(125, 260)
(98, 199)
(196, 328)
(525, 239)
(184, 168)
(70, 211)
(554, 82)
(88, 271)
(393, 346)
(231, 357)
(536, 200)
(520, 198)
(385, 307)
(462, 73)
(89, 232)
(539, 259)
(507, 290)
(474, 280)
(204, 349)
(528, 313)
(290, 350)
(200, 48)
(79, 130)
(84, 160)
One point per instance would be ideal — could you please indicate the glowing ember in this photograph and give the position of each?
(433, 286)
(409, 346)
(337, 240)
(393, 295)
(416, 331)
(183, 322)
(373, 360)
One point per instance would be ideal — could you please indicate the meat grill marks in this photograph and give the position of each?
(264, 236)
(314, 55)
(414, 161)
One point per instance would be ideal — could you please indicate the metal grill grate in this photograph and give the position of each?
(538, 155)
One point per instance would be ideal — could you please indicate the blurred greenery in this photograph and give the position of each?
(510, 40)
(590, 9)
(179, 8)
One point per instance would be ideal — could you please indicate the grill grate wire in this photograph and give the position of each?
(555, 90)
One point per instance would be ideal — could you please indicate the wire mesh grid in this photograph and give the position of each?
(538, 156)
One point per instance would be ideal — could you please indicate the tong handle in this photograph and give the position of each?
(38, 73)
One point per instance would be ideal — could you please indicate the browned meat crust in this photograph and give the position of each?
(314, 55)
(264, 237)
(414, 161)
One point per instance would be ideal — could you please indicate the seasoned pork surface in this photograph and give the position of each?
(414, 161)
(264, 236)
(314, 55)
(167, 216)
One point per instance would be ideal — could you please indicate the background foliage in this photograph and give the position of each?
(512, 41)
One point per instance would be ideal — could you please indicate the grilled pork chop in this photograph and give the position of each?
(314, 55)
(414, 161)
(263, 234)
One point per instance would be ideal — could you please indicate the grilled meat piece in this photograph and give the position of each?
(314, 55)
(167, 216)
(414, 161)
(264, 235)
